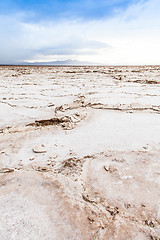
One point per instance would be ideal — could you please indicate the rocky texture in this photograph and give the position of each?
(79, 153)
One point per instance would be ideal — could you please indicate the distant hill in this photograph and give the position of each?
(60, 63)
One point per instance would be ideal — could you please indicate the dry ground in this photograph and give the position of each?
(80, 153)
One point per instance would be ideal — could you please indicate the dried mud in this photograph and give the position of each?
(79, 153)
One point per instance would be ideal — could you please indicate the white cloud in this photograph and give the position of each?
(131, 37)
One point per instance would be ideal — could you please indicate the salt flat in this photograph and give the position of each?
(79, 152)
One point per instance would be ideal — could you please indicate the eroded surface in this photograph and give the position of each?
(79, 153)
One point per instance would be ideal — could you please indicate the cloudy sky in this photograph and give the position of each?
(112, 32)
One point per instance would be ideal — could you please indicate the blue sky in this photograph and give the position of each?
(69, 9)
(107, 32)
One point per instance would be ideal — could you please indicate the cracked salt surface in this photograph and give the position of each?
(113, 130)
(79, 153)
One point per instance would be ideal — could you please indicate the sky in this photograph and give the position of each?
(111, 32)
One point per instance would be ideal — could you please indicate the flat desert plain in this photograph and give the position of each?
(80, 152)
